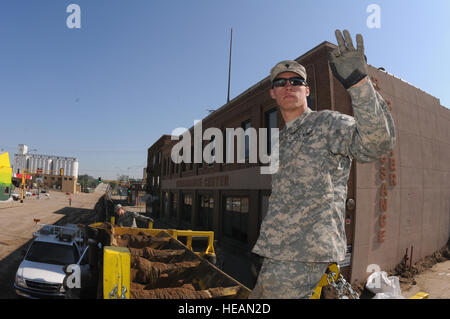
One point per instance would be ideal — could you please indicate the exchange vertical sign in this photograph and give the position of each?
(386, 177)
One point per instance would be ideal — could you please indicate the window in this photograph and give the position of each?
(270, 123)
(183, 164)
(191, 165)
(50, 253)
(206, 212)
(165, 203)
(229, 147)
(200, 165)
(186, 212)
(213, 150)
(235, 218)
(246, 125)
(173, 211)
(164, 168)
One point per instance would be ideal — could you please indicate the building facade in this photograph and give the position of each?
(50, 171)
(398, 202)
(5, 177)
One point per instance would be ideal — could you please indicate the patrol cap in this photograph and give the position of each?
(117, 207)
(287, 66)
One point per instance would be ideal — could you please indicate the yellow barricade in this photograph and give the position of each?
(116, 272)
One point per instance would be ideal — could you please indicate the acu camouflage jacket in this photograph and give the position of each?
(305, 220)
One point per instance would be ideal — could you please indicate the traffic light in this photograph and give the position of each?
(99, 180)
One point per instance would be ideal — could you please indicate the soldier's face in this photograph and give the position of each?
(120, 211)
(289, 97)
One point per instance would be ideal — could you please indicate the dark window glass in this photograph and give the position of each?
(186, 212)
(173, 211)
(235, 218)
(49, 253)
(246, 125)
(206, 211)
(271, 123)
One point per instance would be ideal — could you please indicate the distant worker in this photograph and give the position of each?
(70, 201)
(128, 219)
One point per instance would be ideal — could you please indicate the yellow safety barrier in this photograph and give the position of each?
(420, 295)
(116, 273)
(173, 232)
(333, 268)
(195, 233)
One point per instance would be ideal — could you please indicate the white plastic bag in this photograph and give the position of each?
(387, 295)
(379, 283)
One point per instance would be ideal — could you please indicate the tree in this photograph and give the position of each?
(87, 181)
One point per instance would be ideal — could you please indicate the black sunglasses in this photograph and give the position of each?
(281, 82)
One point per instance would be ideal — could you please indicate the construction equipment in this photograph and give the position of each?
(147, 263)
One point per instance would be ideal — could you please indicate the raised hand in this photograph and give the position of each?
(347, 63)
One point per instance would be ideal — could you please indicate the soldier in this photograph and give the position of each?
(304, 228)
(127, 218)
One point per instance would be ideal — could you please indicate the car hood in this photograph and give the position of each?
(41, 272)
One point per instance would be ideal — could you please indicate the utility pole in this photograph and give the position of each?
(229, 66)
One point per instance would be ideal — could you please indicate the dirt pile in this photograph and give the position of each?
(406, 273)
(160, 272)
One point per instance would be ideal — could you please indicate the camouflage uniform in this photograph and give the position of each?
(305, 221)
(128, 219)
(287, 279)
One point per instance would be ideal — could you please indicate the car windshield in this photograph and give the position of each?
(50, 253)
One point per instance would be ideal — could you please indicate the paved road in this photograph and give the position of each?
(17, 226)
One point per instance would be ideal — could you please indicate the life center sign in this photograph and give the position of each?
(209, 181)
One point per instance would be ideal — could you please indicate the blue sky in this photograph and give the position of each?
(141, 68)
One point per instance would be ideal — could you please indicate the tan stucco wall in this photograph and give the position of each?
(418, 209)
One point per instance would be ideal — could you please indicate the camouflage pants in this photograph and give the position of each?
(287, 279)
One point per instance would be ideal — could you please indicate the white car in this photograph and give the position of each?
(41, 275)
